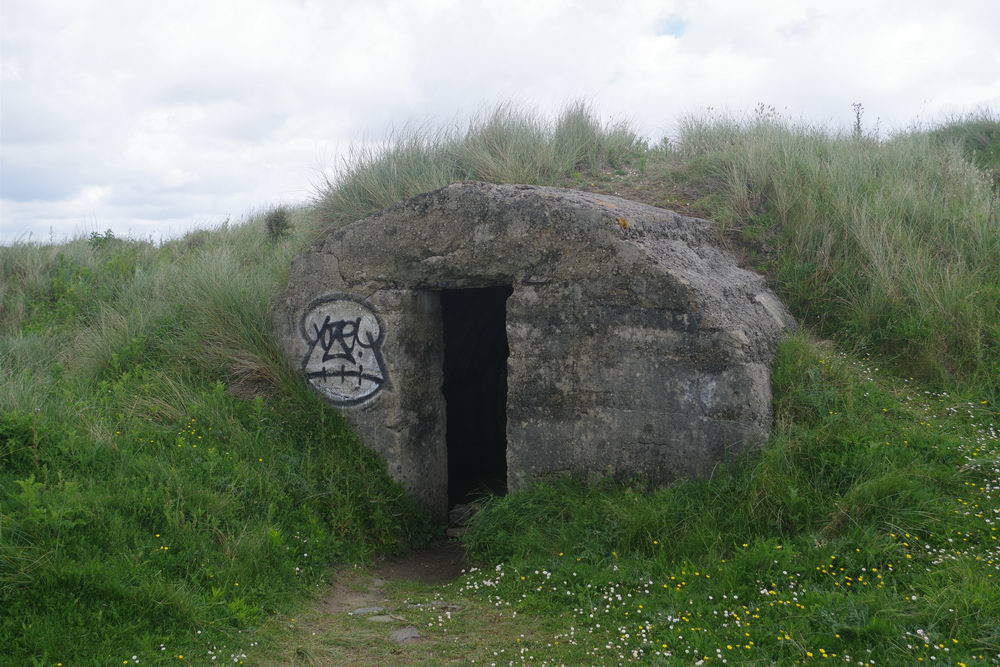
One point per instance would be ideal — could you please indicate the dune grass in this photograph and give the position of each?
(504, 145)
(166, 480)
(888, 246)
(978, 135)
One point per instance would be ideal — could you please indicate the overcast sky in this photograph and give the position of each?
(150, 118)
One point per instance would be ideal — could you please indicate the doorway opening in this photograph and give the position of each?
(475, 390)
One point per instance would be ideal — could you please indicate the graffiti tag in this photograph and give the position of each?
(344, 361)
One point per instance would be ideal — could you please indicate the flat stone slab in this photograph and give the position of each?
(405, 635)
(382, 618)
(438, 604)
(365, 611)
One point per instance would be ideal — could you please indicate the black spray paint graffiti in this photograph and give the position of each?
(344, 361)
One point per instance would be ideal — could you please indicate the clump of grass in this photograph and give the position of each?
(978, 134)
(505, 145)
(45, 286)
(890, 246)
(277, 223)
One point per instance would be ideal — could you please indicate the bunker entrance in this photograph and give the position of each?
(475, 390)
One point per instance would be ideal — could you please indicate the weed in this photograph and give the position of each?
(277, 224)
(98, 240)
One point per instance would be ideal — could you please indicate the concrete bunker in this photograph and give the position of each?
(480, 336)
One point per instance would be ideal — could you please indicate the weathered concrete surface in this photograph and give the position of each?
(637, 347)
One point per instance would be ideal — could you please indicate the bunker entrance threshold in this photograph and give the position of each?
(475, 390)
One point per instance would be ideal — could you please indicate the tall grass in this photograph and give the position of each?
(978, 134)
(890, 246)
(505, 145)
(165, 478)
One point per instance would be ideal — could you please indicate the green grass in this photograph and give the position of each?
(168, 483)
(891, 247)
(166, 479)
(864, 532)
(978, 134)
(505, 145)
(867, 519)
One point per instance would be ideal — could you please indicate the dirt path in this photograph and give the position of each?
(401, 611)
(432, 566)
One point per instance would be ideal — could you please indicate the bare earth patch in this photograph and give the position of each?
(401, 611)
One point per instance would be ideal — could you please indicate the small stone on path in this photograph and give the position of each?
(407, 634)
(364, 611)
(438, 604)
(382, 618)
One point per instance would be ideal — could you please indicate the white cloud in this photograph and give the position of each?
(153, 117)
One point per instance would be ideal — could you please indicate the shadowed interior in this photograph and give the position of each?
(475, 390)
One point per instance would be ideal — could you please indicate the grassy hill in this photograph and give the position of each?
(167, 481)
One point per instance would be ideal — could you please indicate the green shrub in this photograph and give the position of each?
(277, 224)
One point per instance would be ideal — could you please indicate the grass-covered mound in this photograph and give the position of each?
(889, 246)
(166, 479)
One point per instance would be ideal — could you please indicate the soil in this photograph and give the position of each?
(433, 565)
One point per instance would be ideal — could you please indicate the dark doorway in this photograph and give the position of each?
(475, 390)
